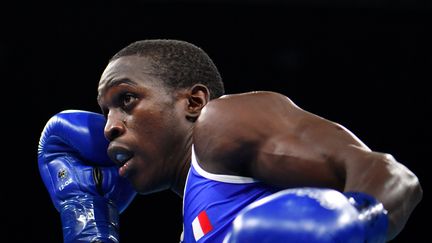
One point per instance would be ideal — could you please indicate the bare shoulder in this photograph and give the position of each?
(255, 97)
(243, 104)
(238, 122)
(245, 109)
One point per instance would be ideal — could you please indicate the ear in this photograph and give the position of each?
(198, 97)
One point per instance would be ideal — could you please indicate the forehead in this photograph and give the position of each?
(124, 67)
(133, 68)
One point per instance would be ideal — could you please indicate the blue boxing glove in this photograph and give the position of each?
(82, 181)
(311, 215)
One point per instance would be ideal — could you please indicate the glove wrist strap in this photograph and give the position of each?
(373, 213)
(89, 219)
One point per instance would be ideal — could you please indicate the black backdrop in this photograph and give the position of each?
(365, 65)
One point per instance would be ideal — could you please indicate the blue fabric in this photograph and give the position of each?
(220, 200)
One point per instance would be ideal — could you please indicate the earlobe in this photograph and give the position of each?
(199, 96)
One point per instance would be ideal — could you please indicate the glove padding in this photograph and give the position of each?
(311, 215)
(82, 181)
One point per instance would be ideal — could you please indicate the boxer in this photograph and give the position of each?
(170, 127)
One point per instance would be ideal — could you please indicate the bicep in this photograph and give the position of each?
(310, 152)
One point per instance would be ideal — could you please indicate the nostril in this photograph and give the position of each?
(114, 133)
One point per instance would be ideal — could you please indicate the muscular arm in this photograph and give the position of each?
(266, 136)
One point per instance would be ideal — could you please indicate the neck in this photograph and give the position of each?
(183, 169)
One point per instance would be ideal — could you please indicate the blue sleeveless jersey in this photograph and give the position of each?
(212, 201)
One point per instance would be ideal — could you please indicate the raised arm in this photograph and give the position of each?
(266, 136)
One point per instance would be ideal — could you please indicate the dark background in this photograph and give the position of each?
(365, 65)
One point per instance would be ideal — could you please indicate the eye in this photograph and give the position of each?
(127, 100)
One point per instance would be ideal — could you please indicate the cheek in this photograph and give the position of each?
(155, 120)
(151, 132)
(155, 134)
(150, 126)
(155, 127)
(145, 120)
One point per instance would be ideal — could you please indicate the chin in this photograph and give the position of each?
(145, 189)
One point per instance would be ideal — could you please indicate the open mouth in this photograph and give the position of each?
(122, 158)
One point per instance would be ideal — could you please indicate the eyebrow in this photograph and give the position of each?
(115, 82)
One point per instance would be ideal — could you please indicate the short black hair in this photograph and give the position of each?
(179, 63)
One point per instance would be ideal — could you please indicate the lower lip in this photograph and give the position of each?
(125, 169)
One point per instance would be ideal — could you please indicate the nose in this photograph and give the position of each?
(114, 127)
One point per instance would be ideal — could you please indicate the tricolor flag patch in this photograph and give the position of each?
(201, 225)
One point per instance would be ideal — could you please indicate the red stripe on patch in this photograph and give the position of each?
(204, 222)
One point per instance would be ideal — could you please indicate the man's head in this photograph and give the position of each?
(151, 93)
(177, 63)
